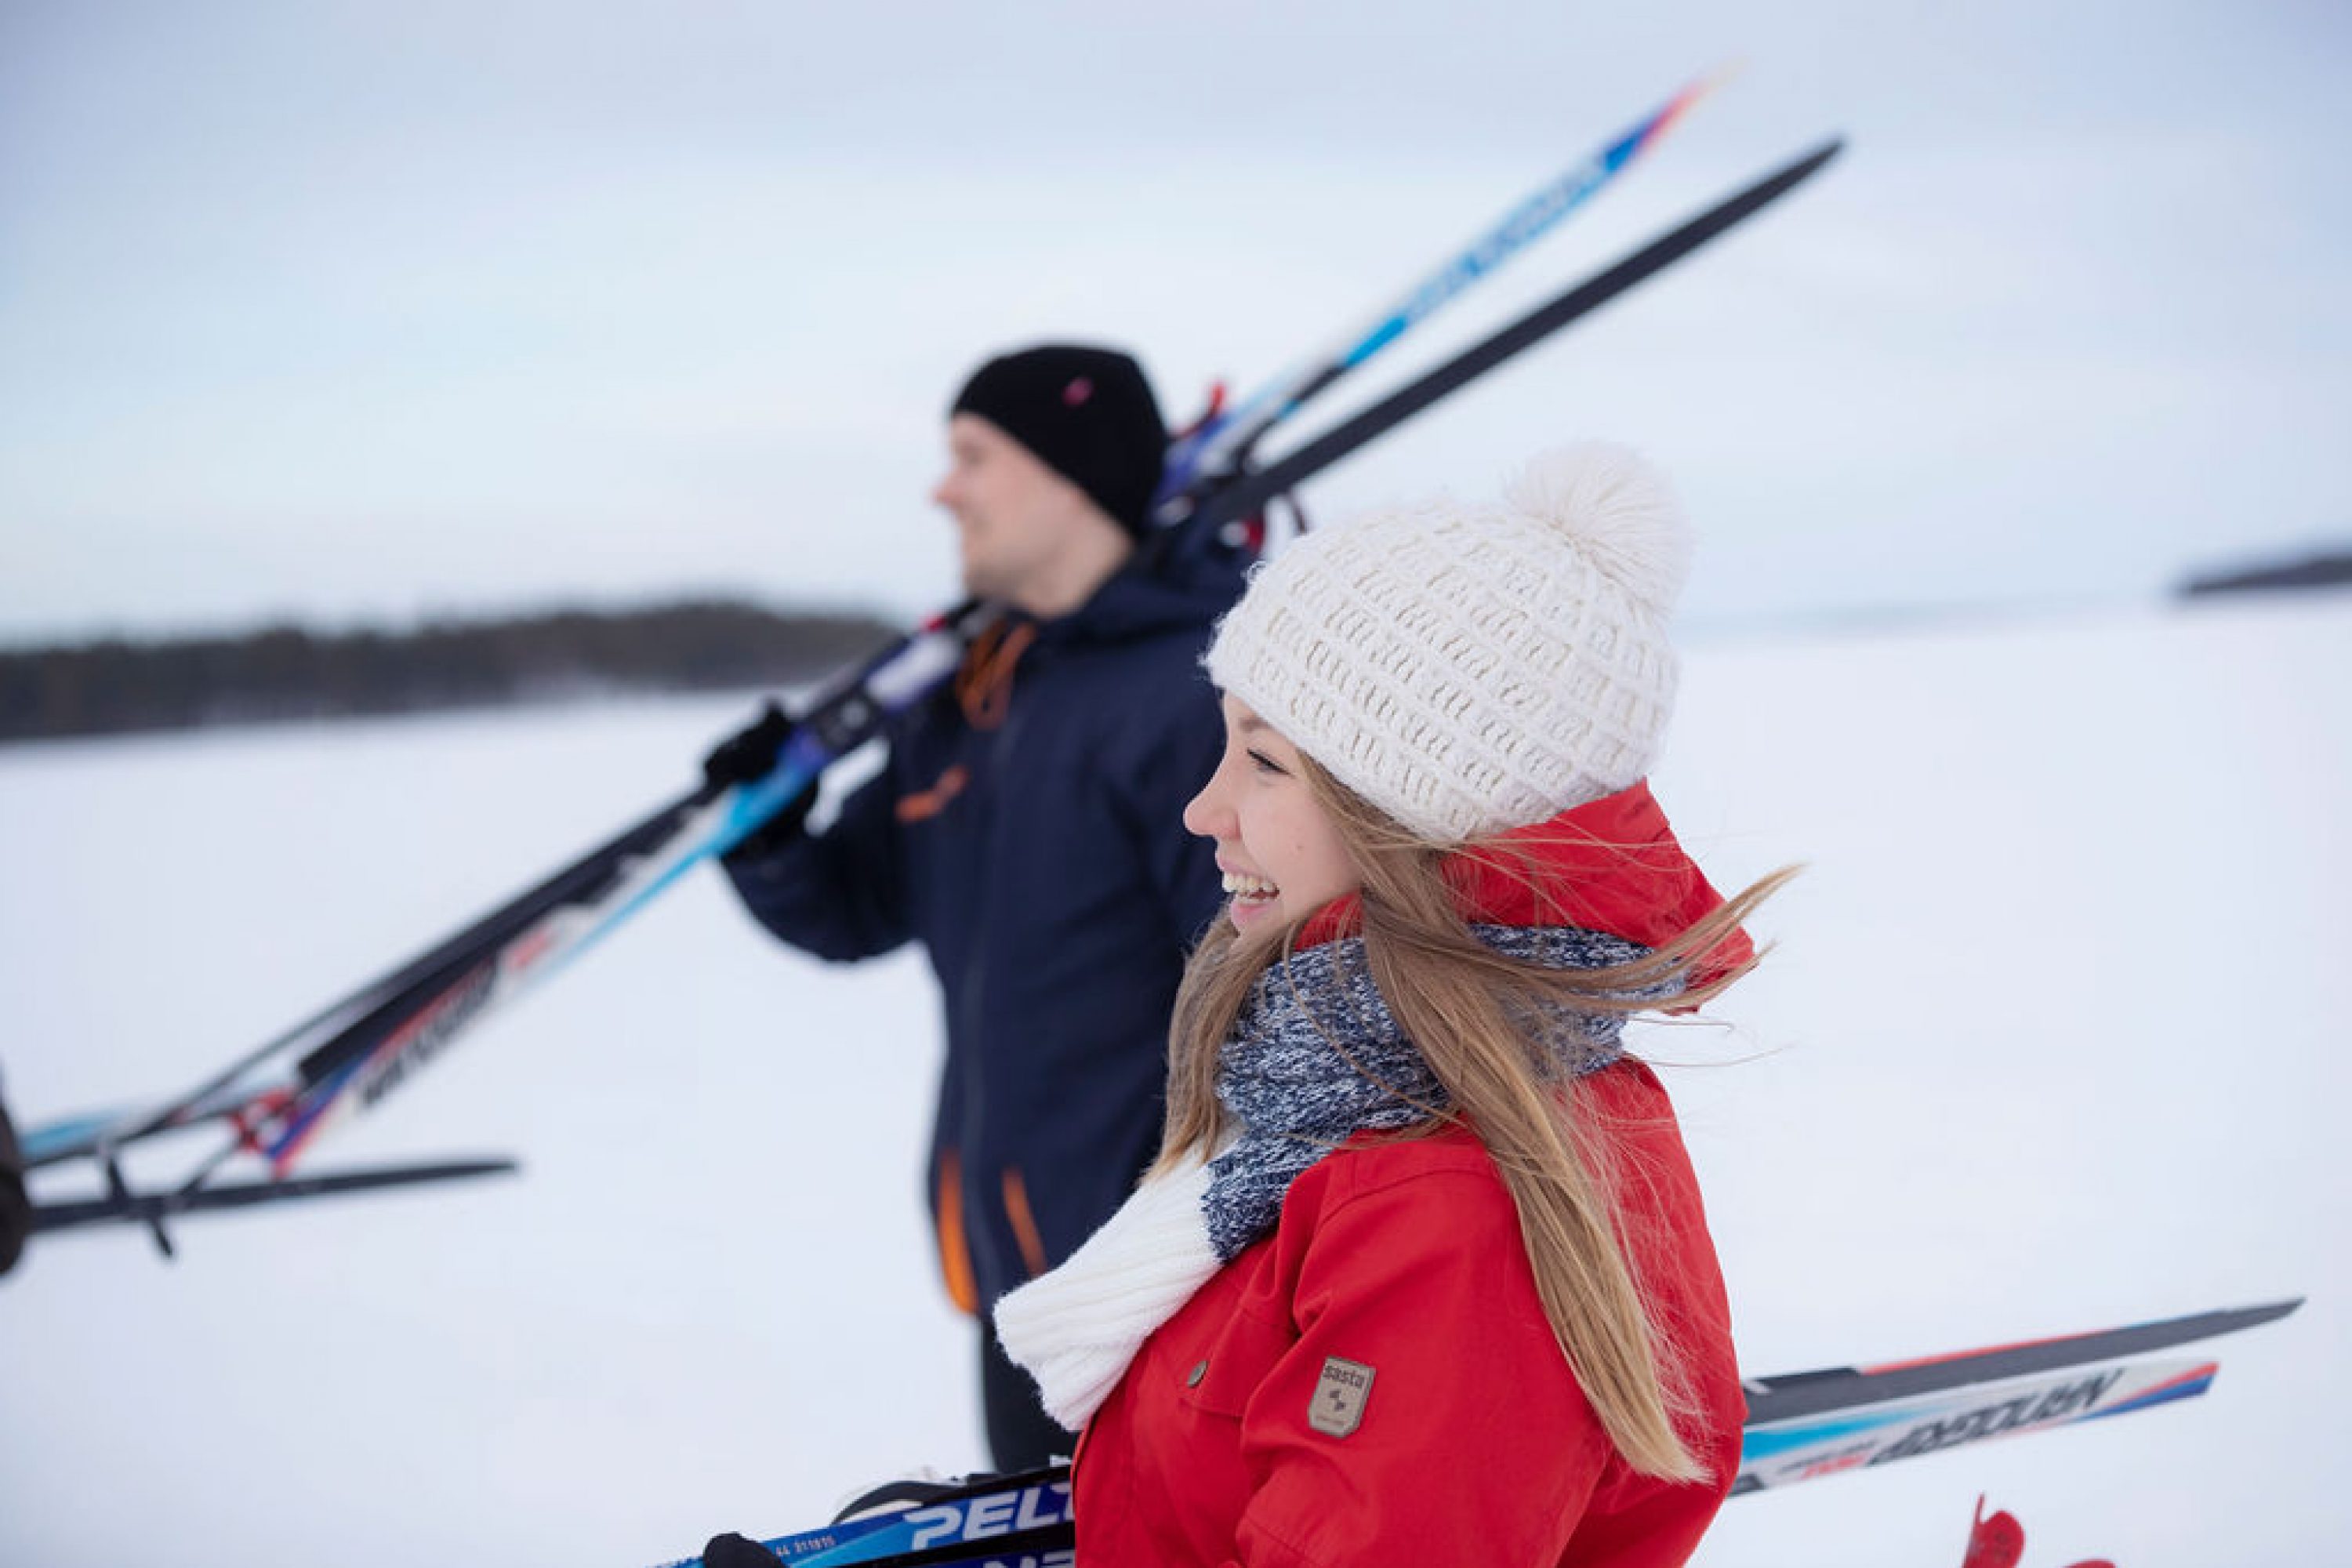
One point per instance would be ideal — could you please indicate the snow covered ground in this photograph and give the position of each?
(2052, 1042)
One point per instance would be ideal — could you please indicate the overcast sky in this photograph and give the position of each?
(363, 312)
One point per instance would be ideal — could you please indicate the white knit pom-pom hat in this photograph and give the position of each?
(1474, 668)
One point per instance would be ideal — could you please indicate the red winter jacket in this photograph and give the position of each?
(1376, 1381)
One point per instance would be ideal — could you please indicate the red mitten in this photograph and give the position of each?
(1995, 1543)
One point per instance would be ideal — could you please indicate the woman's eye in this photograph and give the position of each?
(1265, 764)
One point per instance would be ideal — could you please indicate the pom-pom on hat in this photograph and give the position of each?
(1086, 412)
(1472, 669)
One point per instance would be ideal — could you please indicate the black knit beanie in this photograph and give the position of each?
(1086, 412)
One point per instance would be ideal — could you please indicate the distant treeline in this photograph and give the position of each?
(2321, 569)
(286, 672)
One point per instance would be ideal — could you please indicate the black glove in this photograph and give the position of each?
(749, 754)
(733, 1551)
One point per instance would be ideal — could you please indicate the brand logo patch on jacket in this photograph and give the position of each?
(1341, 1394)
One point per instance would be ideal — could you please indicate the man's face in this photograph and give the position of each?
(1016, 519)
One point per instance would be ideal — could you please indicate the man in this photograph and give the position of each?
(1027, 830)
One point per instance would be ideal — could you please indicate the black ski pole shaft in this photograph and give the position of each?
(1253, 490)
(151, 1208)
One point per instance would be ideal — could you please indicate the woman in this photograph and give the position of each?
(1422, 1274)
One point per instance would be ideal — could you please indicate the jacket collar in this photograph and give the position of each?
(1150, 594)
(1611, 865)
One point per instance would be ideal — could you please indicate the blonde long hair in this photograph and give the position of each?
(1466, 1008)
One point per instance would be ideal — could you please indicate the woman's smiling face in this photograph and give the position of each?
(1281, 856)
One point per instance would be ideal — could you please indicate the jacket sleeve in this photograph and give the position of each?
(840, 894)
(1476, 1445)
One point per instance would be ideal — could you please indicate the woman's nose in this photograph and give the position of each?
(1201, 812)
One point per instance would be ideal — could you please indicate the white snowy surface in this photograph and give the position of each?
(2052, 1041)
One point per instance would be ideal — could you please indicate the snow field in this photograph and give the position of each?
(2050, 1043)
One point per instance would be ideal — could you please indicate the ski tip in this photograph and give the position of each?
(2230, 1319)
(1671, 113)
(2269, 1311)
(2180, 1329)
(1713, 81)
(1803, 167)
(495, 1165)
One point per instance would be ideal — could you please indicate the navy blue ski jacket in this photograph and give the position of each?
(1026, 830)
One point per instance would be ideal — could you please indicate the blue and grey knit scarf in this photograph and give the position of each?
(1317, 1057)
